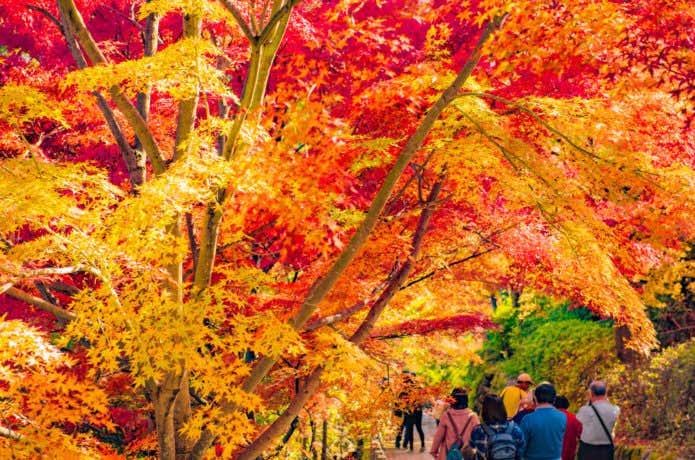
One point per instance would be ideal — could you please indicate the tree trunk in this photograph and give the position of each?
(324, 440)
(626, 355)
(164, 399)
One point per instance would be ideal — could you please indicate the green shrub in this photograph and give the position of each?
(657, 399)
(568, 352)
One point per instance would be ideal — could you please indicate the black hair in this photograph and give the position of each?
(545, 393)
(460, 396)
(561, 402)
(493, 410)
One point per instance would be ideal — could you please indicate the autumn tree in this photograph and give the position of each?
(214, 202)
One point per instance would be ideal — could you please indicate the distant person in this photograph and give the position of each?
(544, 428)
(572, 431)
(439, 406)
(400, 406)
(598, 419)
(456, 425)
(412, 418)
(514, 394)
(527, 405)
(497, 438)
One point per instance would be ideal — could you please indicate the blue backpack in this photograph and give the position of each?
(500, 444)
(454, 452)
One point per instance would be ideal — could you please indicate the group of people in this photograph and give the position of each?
(527, 424)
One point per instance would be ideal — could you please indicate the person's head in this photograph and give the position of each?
(460, 397)
(545, 393)
(561, 402)
(597, 390)
(528, 402)
(493, 410)
(524, 381)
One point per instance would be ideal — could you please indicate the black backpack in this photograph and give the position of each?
(500, 444)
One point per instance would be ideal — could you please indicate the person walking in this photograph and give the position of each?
(544, 428)
(497, 437)
(412, 418)
(401, 407)
(512, 395)
(456, 424)
(572, 431)
(598, 419)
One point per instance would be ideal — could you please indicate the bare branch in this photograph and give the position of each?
(40, 304)
(46, 13)
(240, 21)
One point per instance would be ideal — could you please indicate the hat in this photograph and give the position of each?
(524, 378)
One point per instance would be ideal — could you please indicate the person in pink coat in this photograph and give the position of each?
(464, 419)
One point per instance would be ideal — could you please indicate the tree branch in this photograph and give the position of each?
(192, 27)
(240, 21)
(451, 264)
(40, 304)
(47, 271)
(312, 382)
(533, 114)
(46, 13)
(332, 319)
(74, 23)
(323, 285)
(276, 18)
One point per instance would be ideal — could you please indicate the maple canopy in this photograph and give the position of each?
(216, 213)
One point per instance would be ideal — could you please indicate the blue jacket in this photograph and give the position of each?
(544, 429)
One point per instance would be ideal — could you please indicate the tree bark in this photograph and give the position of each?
(324, 440)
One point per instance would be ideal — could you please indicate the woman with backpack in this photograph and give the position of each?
(497, 438)
(455, 426)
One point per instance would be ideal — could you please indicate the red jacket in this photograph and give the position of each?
(573, 430)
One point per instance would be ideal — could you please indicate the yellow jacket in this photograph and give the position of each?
(511, 397)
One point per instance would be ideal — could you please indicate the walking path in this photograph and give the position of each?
(429, 427)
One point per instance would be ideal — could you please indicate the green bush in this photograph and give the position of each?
(549, 341)
(569, 353)
(657, 399)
